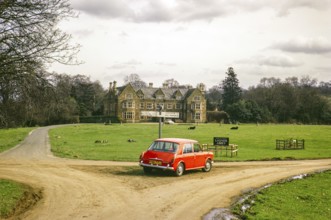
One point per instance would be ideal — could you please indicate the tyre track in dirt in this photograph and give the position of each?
(76, 189)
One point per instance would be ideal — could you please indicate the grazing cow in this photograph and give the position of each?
(235, 128)
(131, 140)
(100, 141)
(191, 128)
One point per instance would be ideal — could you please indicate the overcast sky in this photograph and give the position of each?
(196, 41)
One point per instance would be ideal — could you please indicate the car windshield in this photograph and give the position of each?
(164, 146)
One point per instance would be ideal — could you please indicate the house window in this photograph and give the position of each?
(179, 106)
(197, 98)
(178, 97)
(129, 96)
(149, 105)
(129, 115)
(198, 106)
(142, 105)
(128, 105)
(169, 106)
(197, 116)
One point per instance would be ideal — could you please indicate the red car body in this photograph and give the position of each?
(176, 154)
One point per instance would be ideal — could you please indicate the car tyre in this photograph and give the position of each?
(208, 166)
(147, 170)
(180, 169)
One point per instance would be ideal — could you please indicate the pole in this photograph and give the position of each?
(160, 107)
(160, 128)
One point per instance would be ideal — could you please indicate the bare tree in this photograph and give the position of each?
(134, 80)
(29, 39)
(171, 83)
(29, 33)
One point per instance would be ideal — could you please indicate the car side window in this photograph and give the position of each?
(197, 148)
(187, 148)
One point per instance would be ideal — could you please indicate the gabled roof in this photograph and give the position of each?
(151, 92)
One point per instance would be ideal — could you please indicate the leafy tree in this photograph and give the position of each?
(231, 90)
(88, 95)
(325, 88)
(214, 98)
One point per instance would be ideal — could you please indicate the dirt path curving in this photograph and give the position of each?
(76, 189)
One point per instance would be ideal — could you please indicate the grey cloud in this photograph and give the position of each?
(125, 65)
(285, 6)
(277, 61)
(166, 64)
(305, 45)
(103, 8)
(186, 10)
(281, 61)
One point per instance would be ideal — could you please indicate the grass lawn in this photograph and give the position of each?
(308, 198)
(255, 142)
(10, 195)
(11, 137)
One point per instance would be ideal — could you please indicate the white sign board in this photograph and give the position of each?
(162, 115)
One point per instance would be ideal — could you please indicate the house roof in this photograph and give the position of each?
(169, 93)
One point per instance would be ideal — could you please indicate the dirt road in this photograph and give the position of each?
(74, 189)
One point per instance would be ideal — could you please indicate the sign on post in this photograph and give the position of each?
(221, 141)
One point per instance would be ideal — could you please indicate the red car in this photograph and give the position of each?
(176, 154)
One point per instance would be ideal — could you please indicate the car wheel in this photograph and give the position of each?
(147, 170)
(208, 166)
(180, 169)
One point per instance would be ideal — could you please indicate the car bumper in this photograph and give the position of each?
(156, 166)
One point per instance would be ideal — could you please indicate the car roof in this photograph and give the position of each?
(177, 140)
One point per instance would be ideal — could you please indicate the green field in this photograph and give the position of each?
(304, 199)
(11, 137)
(11, 193)
(307, 198)
(255, 142)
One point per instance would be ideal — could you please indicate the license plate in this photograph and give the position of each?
(155, 162)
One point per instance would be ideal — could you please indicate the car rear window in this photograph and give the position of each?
(164, 146)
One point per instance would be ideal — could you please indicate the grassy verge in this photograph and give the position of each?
(11, 137)
(255, 142)
(307, 198)
(11, 193)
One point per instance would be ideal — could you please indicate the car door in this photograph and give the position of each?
(188, 156)
(199, 155)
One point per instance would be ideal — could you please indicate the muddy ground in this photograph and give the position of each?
(77, 189)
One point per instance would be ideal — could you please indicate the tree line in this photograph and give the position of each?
(293, 100)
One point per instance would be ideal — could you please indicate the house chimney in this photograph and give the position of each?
(165, 85)
(150, 85)
(201, 87)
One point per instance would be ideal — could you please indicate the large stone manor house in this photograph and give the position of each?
(131, 104)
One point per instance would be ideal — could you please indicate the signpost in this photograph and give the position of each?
(221, 141)
(159, 114)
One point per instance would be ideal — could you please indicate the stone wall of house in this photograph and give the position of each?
(127, 103)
